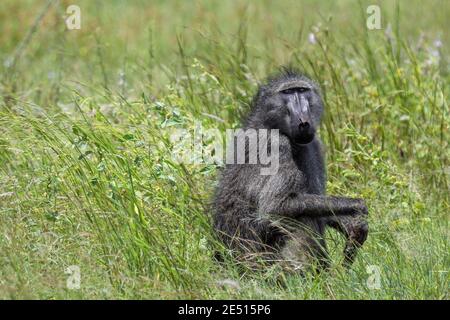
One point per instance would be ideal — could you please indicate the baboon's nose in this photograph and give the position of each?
(303, 126)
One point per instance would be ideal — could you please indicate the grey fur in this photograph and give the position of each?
(283, 217)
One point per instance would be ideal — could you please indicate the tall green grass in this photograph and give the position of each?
(87, 173)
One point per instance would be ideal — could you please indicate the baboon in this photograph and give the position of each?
(282, 217)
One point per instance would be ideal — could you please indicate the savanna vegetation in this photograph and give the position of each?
(87, 173)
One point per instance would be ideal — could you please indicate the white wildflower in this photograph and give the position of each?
(312, 38)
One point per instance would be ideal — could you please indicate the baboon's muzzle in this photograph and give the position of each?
(301, 122)
(305, 133)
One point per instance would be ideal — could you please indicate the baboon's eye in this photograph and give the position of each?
(295, 89)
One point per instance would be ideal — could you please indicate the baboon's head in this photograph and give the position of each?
(291, 102)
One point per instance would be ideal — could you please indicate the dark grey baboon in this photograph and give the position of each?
(283, 216)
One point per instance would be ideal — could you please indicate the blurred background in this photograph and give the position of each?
(87, 176)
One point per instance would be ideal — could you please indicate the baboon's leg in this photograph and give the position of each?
(302, 253)
(305, 247)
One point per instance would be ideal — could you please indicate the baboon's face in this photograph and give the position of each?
(294, 107)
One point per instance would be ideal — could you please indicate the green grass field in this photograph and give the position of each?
(87, 176)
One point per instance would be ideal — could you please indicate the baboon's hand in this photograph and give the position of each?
(353, 225)
(356, 229)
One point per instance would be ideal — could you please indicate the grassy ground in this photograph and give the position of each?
(87, 175)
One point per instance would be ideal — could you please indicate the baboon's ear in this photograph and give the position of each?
(262, 91)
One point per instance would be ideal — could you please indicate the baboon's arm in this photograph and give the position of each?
(295, 205)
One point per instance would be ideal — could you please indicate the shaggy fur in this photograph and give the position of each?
(283, 217)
